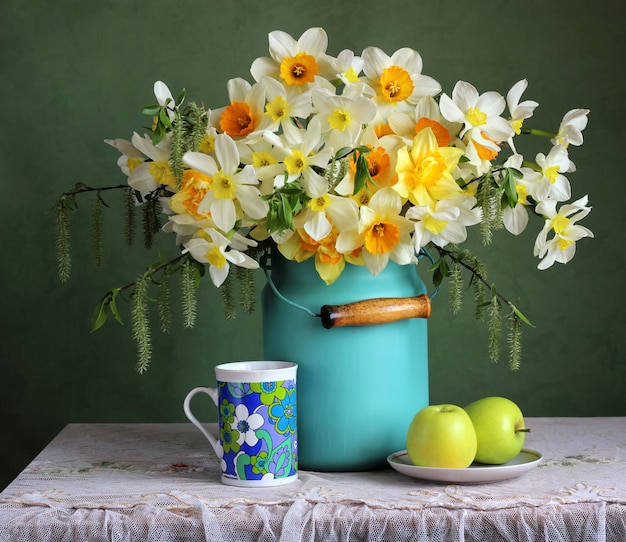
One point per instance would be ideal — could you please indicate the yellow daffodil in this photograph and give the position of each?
(425, 170)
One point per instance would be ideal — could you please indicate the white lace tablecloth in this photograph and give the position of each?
(160, 482)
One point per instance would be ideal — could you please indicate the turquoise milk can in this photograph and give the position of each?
(359, 383)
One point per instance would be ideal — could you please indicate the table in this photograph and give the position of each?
(161, 482)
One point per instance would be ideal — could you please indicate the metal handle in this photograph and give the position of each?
(381, 310)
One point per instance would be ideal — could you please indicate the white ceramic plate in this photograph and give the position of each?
(476, 473)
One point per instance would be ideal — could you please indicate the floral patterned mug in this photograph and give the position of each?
(257, 439)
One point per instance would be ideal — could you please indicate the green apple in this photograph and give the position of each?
(500, 429)
(441, 436)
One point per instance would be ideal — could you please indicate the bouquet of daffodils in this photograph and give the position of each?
(349, 160)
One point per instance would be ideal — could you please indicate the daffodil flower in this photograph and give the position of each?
(130, 157)
(242, 118)
(397, 80)
(347, 68)
(325, 211)
(381, 165)
(562, 223)
(228, 184)
(426, 114)
(300, 150)
(425, 170)
(210, 246)
(550, 182)
(479, 113)
(185, 226)
(519, 111)
(571, 127)
(383, 233)
(296, 63)
(283, 104)
(266, 161)
(150, 174)
(444, 223)
(342, 116)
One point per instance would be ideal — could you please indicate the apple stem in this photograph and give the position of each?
(525, 430)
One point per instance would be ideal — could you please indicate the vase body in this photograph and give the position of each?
(358, 387)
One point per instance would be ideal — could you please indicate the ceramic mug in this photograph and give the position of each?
(257, 439)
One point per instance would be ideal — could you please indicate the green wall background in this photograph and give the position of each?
(73, 73)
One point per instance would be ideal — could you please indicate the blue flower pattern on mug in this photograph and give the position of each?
(284, 413)
(258, 429)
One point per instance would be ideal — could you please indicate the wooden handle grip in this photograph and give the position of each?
(380, 310)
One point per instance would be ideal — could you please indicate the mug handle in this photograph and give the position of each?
(213, 394)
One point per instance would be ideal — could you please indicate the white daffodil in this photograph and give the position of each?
(266, 161)
(561, 247)
(551, 183)
(299, 148)
(479, 113)
(342, 116)
(130, 157)
(242, 118)
(397, 80)
(445, 222)
(381, 164)
(283, 104)
(229, 184)
(211, 247)
(347, 67)
(518, 111)
(571, 128)
(152, 173)
(295, 63)
(322, 213)
(425, 115)
(382, 233)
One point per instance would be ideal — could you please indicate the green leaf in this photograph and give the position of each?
(164, 118)
(113, 307)
(342, 153)
(100, 314)
(440, 270)
(520, 315)
(510, 189)
(151, 110)
(362, 175)
(181, 97)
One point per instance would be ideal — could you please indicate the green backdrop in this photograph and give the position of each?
(73, 73)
